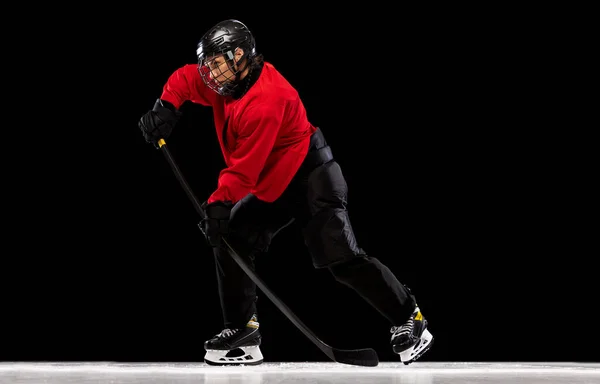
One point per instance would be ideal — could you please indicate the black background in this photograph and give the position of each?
(455, 184)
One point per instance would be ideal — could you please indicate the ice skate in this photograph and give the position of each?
(412, 339)
(240, 346)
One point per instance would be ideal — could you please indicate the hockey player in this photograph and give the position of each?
(279, 170)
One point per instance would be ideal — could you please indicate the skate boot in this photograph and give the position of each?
(412, 339)
(238, 346)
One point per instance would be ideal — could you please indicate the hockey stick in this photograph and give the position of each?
(364, 357)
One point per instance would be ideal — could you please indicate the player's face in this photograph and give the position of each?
(218, 72)
(219, 69)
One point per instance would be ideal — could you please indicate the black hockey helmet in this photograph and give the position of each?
(223, 39)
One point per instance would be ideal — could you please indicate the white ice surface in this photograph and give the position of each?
(300, 373)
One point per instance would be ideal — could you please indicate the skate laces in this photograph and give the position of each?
(406, 328)
(228, 332)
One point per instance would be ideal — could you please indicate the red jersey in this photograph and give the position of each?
(266, 135)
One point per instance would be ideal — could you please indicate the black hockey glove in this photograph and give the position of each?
(216, 223)
(158, 123)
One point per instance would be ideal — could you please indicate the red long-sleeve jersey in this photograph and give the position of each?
(264, 136)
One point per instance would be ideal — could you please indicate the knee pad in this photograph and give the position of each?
(330, 239)
(328, 233)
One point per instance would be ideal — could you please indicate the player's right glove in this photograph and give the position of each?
(216, 223)
(158, 123)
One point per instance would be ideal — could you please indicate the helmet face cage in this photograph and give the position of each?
(221, 78)
(222, 40)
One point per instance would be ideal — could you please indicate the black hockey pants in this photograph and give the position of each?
(316, 200)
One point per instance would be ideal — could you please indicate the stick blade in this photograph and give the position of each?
(366, 357)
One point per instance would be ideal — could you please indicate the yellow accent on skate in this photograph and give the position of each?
(253, 322)
(419, 316)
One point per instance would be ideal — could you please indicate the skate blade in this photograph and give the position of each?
(416, 351)
(238, 356)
